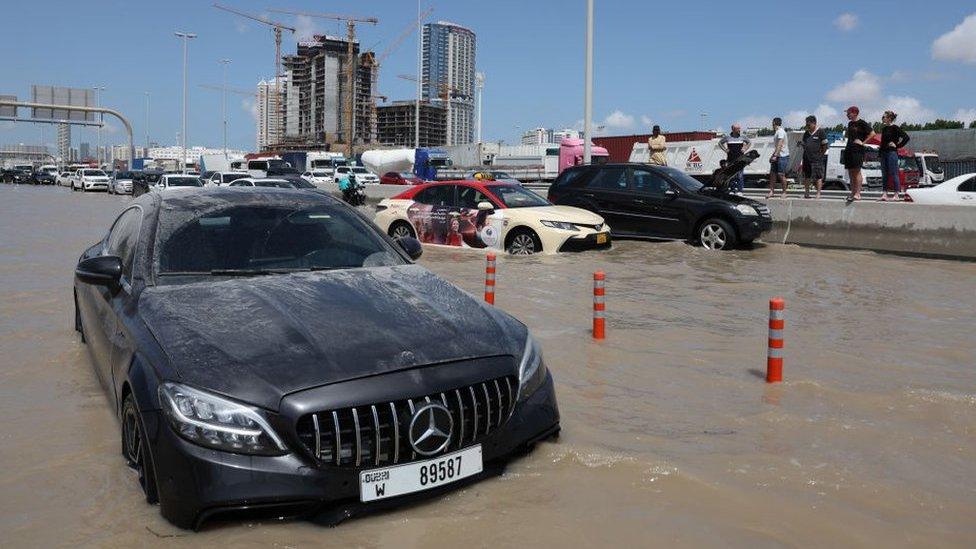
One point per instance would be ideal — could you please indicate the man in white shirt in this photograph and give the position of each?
(780, 159)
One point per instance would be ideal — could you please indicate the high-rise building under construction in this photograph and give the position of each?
(449, 76)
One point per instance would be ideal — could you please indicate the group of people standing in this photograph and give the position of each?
(813, 145)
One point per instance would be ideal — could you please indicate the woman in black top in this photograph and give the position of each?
(892, 139)
(858, 133)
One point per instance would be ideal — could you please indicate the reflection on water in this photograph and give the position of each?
(670, 437)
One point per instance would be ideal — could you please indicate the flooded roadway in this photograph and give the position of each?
(670, 437)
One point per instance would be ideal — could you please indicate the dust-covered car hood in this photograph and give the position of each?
(257, 339)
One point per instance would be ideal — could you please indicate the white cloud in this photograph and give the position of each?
(305, 28)
(251, 107)
(959, 44)
(618, 120)
(900, 76)
(965, 115)
(908, 109)
(646, 120)
(846, 22)
(863, 87)
(755, 121)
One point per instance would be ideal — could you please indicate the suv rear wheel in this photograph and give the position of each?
(716, 234)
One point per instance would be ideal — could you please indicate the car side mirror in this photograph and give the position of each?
(671, 193)
(412, 246)
(104, 270)
(485, 206)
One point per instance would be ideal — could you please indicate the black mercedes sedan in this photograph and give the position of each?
(272, 350)
(641, 200)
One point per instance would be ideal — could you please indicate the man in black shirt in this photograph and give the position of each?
(892, 139)
(814, 146)
(735, 145)
(858, 133)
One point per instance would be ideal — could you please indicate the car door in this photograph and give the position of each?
(655, 205)
(430, 214)
(473, 224)
(125, 246)
(608, 191)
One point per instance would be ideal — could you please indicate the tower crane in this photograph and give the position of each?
(351, 64)
(277, 28)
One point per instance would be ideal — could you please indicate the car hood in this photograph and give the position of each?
(258, 339)
(569, 214)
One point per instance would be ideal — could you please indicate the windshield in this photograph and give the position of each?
(501, 175)
(932, 164)
(320, 174)
(228, 177)
(93, 173)
(273, 183)
(123, 175)
(262, 239)
(517, 197)
(183, 182)
(686, 181)
(300, 183)
(359, 169)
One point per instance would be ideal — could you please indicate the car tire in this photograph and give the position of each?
(135, 448)
(401, 229)
(716, 234)
(523, 242)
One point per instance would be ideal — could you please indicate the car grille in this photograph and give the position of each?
(598, 227)
(379, 434)
(763, 211)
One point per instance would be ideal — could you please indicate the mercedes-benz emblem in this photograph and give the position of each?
(430, 429)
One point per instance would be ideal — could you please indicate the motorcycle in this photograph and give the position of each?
(354, 192)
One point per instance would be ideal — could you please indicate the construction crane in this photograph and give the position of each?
(228, 89)
(277, 28)
(351, 64)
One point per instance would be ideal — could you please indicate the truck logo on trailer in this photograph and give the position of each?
(694, 161)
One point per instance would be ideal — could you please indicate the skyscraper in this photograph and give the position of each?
(64, 142)
(449, 76)
(268, 121)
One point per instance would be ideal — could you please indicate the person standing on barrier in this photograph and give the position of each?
(858, 133)
(656, 147)
(735, 145)
(814, 145)
(780, 160)
(892, 139)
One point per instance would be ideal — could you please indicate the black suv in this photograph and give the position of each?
(640, 200)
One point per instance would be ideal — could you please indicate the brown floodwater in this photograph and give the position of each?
(670, 436)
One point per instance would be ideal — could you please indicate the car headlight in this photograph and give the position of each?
(532, 369)
(560, 225)
(746, 209)
(218, 423)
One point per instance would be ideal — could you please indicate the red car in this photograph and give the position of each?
(402, 178)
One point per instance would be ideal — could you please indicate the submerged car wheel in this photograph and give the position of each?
(523, 242)
(716, 234)
(401, 229)
(78, 327)
(135, 449)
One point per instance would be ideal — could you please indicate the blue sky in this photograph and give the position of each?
(655, 62)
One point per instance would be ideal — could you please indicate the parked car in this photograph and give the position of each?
(42, 178)
(89, 179)
(177, 180)
(121, 183)
(960, 190)
(489, 214)
(64, 178)
(224, 178)
(318, 176)
(50, 170)
(401, 178)
(16, 175)
(271, 348)
(362, 174)
(640, 200)
(262, 182)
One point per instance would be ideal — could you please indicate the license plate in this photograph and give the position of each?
(601, 238)
(418, 476)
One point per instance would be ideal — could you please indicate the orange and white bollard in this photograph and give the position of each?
(490, 279)
(774, 358)
(599, 305)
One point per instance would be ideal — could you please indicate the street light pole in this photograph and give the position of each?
(147, 123)
(588, 93)
(186, 36)
(98, 130)
(223, 102)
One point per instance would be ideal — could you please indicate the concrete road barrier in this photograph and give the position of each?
(948, 231)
